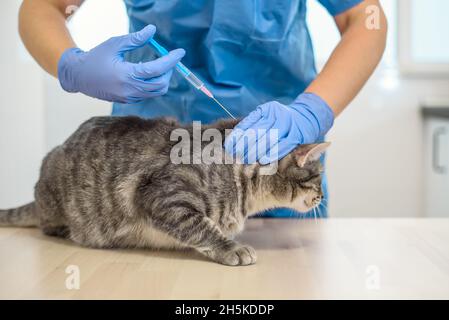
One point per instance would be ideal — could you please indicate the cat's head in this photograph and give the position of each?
(301, 172)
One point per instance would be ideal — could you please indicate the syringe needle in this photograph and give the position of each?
(223, 107)
(189, 76)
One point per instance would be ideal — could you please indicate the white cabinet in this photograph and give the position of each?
(436, 162)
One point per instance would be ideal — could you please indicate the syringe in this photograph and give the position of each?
(189, 76)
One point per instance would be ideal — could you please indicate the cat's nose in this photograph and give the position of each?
(318, 199)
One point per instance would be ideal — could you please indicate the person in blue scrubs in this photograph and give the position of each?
(256, 56)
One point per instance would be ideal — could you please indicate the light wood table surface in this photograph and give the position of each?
(297, 259)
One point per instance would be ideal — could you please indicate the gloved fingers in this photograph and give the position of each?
(273, 118)
(249, 138)
(136, 39)
(259, 128)
(144, 94)
(250, 119)
(286, 141)
(159, 66)
(256, 149)
(243, 149)
(126, 100)
(266, 141)
(281, 125)
(239, 130)
(278, 151)
(154, 84)
(287, 135)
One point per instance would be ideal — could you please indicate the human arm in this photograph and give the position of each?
(42, 27)
(311, 115)
(101, 72)
(353, 60)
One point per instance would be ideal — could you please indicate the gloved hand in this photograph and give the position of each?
(104, 74)
(304, 121)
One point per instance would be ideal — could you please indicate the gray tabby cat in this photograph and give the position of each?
(112, 185)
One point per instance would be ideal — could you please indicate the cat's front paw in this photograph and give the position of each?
(240, 255)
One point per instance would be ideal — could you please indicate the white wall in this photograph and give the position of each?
(64, 112)
(35, 114)
(376, 163)
(21, 113)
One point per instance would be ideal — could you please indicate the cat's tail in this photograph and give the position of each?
(24, 216)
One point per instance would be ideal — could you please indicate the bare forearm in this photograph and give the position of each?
(353, 60)
(43, 30)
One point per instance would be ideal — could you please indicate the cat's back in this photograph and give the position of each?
(114, 146)
(116, 136)
(123, 129)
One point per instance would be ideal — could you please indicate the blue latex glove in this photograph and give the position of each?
(304, 121)
(104, 74)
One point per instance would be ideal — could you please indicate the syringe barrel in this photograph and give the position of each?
(186, 73)
(181, 68)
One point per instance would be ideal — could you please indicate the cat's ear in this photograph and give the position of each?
(309, 152)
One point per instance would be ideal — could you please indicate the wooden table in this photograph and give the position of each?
(298, 259)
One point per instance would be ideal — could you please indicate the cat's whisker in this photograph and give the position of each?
(325, 206)
(324, 203)
(319, 212)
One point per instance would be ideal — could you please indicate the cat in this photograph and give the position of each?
(112, 184)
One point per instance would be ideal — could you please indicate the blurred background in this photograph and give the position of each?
(390, 151)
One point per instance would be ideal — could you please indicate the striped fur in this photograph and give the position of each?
(112, 185)
(23, 216)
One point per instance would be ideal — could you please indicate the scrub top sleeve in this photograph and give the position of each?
(335, 7)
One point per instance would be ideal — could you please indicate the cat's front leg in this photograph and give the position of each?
(232, 254)
(197, 231)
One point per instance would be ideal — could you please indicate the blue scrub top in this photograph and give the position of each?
(247, 52)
